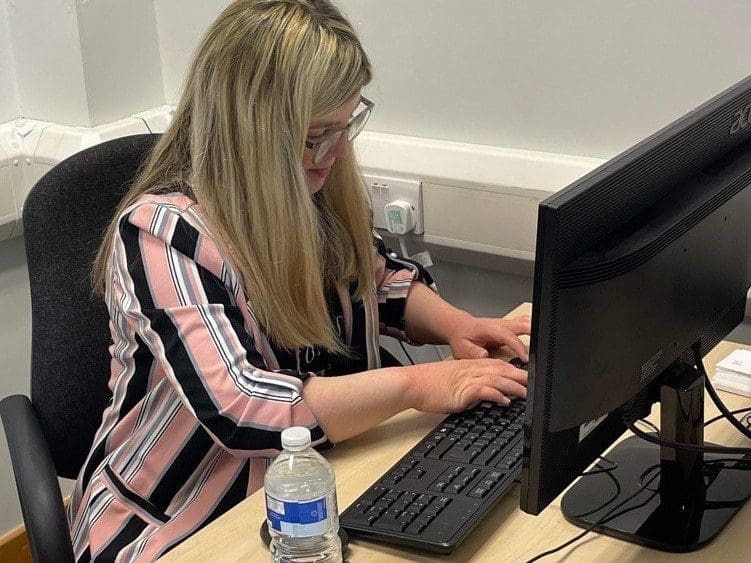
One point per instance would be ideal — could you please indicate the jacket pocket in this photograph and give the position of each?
(144, 508)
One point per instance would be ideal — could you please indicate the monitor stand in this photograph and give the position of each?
(689, 496)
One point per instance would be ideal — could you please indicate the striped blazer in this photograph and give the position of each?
(200, 395)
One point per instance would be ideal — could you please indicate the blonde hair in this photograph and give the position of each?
(263, 72)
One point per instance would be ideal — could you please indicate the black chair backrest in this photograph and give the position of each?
(64, 218)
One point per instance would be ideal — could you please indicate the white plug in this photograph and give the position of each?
(399, 217)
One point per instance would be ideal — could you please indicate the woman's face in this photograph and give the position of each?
(317, 173)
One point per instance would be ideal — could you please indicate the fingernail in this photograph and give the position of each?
(484, 354)
(506, 401)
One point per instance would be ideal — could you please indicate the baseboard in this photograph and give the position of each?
(14, 547)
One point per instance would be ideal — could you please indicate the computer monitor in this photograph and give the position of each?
(641, 268)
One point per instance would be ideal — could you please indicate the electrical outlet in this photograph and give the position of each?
(384, 190)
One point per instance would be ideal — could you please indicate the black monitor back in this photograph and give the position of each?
(636, 262)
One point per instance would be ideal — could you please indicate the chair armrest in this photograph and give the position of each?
(36, 482)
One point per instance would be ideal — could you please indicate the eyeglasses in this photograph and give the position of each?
(323, 144)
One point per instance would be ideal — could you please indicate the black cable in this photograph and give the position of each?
(618, 490)
(406, 353)
(722, 416)
(651, 425)
(715, 397)
(599, 470)
(722, 408)
(684, 446)
(606, 518)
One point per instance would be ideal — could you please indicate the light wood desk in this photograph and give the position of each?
(505, 534)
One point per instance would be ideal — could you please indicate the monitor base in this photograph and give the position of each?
(659, 517)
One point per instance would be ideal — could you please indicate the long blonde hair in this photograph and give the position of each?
(263, 72)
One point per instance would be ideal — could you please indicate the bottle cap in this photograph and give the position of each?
(296, 437)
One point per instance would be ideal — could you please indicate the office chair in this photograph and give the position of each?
(64, 218)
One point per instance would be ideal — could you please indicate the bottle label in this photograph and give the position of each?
(300, 519)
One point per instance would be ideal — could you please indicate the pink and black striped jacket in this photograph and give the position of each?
(199, 393)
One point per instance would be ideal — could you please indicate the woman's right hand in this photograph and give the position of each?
(455, 385)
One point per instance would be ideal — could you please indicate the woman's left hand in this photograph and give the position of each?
(477, 337)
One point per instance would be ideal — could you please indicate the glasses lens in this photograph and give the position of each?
(358, 123)
(326, 146)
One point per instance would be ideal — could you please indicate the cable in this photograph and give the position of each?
(411, 361)
(606, 518)
(403, 247)
(613, 465)
(745, 420)
(684, 446)
(723, 409)
(609, 472)
(652, 426)
(715, 398)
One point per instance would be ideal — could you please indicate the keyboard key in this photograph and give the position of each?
(496, 476)
(439, 486)
(375, 511)
(456, 488)
(488, 455)
(409, 496)
(443, 501)
(416, 507)
(391, 524)
(423, 449)
(391, 495)
(382, 504)
(478, 492)
(392, 513)
(440, 449)
(416, 527)
(415, 474)
(373, 494)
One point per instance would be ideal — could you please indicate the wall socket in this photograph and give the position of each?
(384, 190)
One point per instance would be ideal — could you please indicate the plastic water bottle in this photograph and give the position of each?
(301, 503)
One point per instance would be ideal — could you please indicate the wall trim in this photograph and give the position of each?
(460, 180)
(14, 547)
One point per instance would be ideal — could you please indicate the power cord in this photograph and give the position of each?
(684, 446)
(726, 414)
(745, 420)
(411, 361)
(608, 516)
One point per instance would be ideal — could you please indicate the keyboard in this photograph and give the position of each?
(435, 495)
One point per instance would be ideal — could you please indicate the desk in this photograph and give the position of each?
(505, 534)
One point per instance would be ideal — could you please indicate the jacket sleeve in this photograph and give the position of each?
(175, 288)
(394, 276)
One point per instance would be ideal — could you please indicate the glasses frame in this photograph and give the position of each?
(315, 147)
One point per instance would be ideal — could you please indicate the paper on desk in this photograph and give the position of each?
(733, 373)
(738, 361)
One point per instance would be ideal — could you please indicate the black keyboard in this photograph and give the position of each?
(435, 495)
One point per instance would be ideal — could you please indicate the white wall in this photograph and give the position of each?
(579, 77)
(9, 104)
(181, 24)
(121, 62)
(47, 54)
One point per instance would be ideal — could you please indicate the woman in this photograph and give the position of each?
(241, 272)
